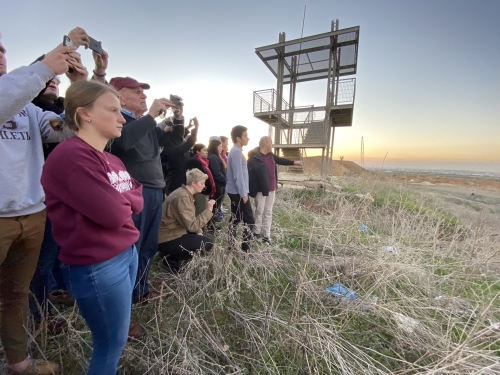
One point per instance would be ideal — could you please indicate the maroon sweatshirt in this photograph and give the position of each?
(90, 200)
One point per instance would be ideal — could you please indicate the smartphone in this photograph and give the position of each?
(177, 102)
(68, 42)
(95, 46)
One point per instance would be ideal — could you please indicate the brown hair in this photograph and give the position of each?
(79, 94)
(213, 149)
(198, 147)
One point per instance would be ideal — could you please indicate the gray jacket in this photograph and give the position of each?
(23, 128)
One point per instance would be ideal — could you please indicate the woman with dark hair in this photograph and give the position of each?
(218, 168)
(200, 161)
(90, 200)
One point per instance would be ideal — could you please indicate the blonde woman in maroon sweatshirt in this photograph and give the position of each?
(90, 200)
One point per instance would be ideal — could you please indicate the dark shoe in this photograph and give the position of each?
(255, 236)
(245, 247)
(55, 326)
(171, 266)
(37, 367)
(135, 331)
(152, 295)
(267, 240)
(61, 297)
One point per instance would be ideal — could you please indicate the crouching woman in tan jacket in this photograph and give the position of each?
(178, 238)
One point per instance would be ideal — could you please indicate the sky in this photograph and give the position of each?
(428, 81)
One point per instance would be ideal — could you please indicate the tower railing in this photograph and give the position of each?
(265, 101)
(344, 91)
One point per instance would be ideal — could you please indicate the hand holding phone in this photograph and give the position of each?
(176, 100)
(68, 42)
(95, 46)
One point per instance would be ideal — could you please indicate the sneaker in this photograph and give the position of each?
(37, 367)
(222, 209)
(219, 217)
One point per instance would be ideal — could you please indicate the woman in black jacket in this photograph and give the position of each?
(200, 161)
(218, 169)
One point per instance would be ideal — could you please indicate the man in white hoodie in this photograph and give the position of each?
(23, 128)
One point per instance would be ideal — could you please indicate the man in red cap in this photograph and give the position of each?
(139, 149)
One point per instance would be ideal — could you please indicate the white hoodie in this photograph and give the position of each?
(23, 128)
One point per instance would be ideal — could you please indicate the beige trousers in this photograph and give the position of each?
(264, 214)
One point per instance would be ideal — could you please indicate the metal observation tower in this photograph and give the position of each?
(332, 56)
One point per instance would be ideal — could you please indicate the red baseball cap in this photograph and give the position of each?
(120, 82)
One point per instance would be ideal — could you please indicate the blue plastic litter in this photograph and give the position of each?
(340, 291)
(363, 228)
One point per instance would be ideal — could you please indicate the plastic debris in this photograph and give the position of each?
(406, 323)
(340, 291)
(363, 228)
(390, 249)
(368, 306)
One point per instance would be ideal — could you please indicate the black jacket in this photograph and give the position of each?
(218, 171)
(258, 175)
(175, 156)
(139, 149)
(195, 163)
(56, 107)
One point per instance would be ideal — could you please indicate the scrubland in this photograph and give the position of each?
(425, 272)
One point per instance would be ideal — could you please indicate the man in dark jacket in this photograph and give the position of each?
(139, 149)
(175, 154)
(263, 177)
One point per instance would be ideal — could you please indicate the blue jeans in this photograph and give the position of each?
(103, 292)
(148, 224)
(47, 277)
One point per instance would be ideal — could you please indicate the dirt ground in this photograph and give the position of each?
(481, 196)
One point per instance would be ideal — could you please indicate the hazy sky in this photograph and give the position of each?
(428, 82)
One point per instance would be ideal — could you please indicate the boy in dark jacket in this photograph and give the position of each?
(263, 178)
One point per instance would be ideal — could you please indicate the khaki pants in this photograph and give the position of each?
(20, 241)
(264, 214)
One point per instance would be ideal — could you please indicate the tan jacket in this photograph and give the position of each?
(178, 216)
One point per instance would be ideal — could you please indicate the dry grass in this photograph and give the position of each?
(270, 313)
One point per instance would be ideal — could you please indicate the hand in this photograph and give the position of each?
(298, 162)
(101, 62)
(194, 122)
(80, 72)
(210, 204)
(80, 37)
(57, 59)
(159, 106)
(245, 199)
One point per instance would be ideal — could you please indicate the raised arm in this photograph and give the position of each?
(22, 85)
